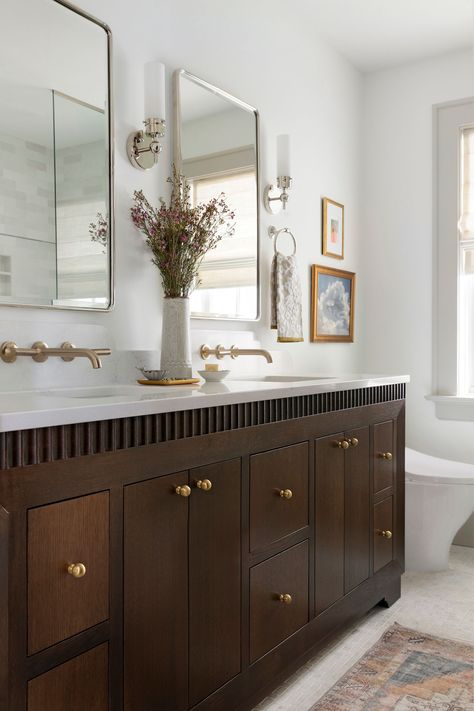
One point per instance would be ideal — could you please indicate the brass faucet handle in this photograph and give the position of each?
(8, 351)
(66, 346)
(41, 355)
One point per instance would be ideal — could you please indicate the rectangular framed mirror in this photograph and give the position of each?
(217, 149)
(56, 187)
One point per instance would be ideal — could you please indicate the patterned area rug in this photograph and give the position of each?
(406, 671)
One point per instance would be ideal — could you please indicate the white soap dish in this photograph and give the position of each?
(213, 376)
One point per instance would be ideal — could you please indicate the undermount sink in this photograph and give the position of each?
(283, 378)
(94, 392)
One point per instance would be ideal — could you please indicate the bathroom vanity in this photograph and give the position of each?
(189, 550)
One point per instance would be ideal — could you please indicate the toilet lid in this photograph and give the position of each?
(424, 468)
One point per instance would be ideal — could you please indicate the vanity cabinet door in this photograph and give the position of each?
(357, 509)
(383, 533)
(214, 578)
(329, 520)
(383, 455)
(156, 595)
(62, 600)
(279, 598)
(342, 514)
(279, 503)
(77, 685)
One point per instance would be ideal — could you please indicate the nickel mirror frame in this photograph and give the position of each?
(178, 74)
(111, 144)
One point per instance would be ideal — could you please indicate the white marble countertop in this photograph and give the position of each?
(49, 407)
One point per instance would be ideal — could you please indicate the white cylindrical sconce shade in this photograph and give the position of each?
(155, 90)
(283, 155)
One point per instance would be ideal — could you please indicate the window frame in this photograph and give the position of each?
(450, 401)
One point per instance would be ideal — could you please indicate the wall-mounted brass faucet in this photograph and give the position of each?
(40, 352)
(233, 352)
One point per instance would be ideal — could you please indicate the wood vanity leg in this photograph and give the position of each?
(393, 594)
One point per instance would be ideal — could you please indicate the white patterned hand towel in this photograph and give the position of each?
(286, 299)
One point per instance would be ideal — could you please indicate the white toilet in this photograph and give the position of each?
(439, 500)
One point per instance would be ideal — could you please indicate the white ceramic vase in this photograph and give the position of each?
(176, 339)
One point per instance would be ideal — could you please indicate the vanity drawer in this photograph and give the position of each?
(279, 502)
(63, 601)
(77, 685)
(383, 533)
(383, 455)
(273, 616)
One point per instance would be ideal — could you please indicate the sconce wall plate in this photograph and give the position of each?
(275, 198)
(143, 147)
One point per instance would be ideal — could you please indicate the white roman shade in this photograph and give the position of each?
(233, 262)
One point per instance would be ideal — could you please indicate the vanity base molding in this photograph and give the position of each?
(200, 571)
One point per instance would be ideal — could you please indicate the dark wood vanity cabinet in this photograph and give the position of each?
(182, 586)
(342, 503)
(215, 561)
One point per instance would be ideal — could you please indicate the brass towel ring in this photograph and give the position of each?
(274, 233)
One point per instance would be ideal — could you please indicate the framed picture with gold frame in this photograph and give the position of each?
(333, 229)
(332, 304)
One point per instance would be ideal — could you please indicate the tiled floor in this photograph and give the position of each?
(438, 603)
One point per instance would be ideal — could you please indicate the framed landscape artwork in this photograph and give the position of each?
(333, 229)
(332, 304)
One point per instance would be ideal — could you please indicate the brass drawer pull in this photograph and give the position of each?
(286, 494)
(354, 442)
(204, 484)
(183, 490)
(77, 570)
(285, 598)
(387, 455)
(343, 444)
(385, 534)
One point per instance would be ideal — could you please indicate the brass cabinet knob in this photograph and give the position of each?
(385, 534)
(387, 455)
(343, 444)
(285, 598)
(77, 570)
(353, 441)
(286, 494)
(183, 490)
(204, 484)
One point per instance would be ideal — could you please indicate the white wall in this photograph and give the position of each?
(396, 274)
(307, 91)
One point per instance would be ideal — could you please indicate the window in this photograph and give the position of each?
(466, 263)
(453, 223)
(228, 273)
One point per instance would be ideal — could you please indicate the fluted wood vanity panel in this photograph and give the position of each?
(48, 444)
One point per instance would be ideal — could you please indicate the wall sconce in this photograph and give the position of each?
(143, 147)
(276, 198)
